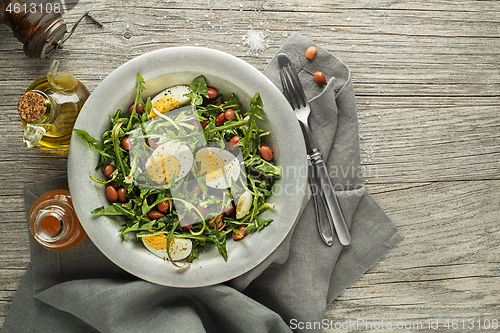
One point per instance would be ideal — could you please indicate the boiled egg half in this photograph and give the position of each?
(219, 166)
(169, 160)
(169, 99)
(180, 248)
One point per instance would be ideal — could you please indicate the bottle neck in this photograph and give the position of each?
(52, 221)
(37, 110)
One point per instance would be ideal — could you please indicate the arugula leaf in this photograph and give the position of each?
(258, 163)
(138, 99)
(113, 210)
(93, 143)
(198, 89)
(255, 107)
(221, 245)
(251, 141)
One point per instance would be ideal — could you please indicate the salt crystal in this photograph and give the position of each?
(256, 42)
(332, 29)
(349, 18)
(241, 5)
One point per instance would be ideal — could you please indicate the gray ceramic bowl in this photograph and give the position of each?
(162, 69)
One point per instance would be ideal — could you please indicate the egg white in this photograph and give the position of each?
(244, 204)
(176, 92)
(181, 152)
(179, 249)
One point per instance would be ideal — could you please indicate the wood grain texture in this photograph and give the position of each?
(427, 82)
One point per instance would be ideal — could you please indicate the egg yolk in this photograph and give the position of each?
(211, 164)
(163, 168)
(158, 242)
(163, 105)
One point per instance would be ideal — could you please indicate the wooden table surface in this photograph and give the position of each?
(427, 80)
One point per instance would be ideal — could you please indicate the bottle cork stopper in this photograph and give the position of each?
(31, 106)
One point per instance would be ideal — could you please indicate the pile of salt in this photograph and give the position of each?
(256, 41)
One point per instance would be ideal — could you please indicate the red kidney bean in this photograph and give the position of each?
(204, 123)
(219, 221)
(151, 199)
(320, 78)
(108, 170)
(121, 195)
(232, 143)
(219, 121)
(126, 143)
(154, 215)
(139, 108)
(186, 223)
(229, 114)
(163, 206)
(111, 194)
(196, 188)
(311, 52)
(266, 152)
(212, 93)
(240, 233)
(203, 211)
(230, 210)
(152, 143)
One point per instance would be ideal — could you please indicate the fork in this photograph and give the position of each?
(321, 185)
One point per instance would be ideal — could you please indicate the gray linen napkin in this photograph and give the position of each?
(80, 290)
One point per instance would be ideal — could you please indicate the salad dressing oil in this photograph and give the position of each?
(49, 108)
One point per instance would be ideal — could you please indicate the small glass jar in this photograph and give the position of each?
(53, 221)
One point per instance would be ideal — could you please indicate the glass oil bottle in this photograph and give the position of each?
(49, 108)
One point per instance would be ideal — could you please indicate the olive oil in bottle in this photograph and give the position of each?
(49, 108)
